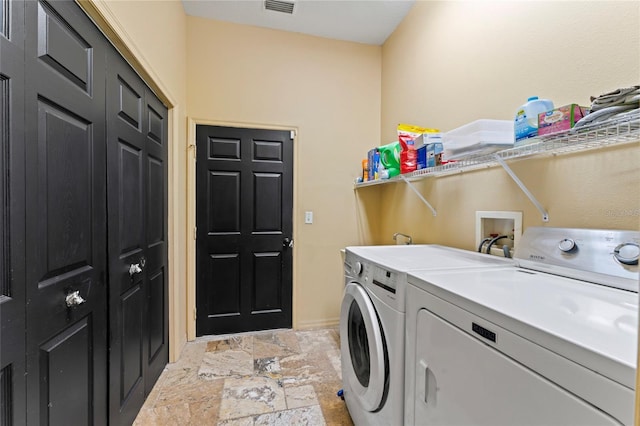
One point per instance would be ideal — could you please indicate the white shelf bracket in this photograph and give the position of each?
(545, 215)
(418, 194)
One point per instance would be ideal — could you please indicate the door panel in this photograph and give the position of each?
(126, 194)
(137, 185)
(244, 213)
(69, 376)
(12, 215)
(66, 216)
(156, 184)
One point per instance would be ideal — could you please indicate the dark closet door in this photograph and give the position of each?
(65, 217)
(12, 291)
(244, 187)
(137, 188)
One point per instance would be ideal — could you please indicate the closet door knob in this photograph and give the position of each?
(74, 299)
(134, 269)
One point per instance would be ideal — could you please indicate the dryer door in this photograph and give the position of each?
(363, 348)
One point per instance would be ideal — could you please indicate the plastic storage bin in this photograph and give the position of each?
(479, 137)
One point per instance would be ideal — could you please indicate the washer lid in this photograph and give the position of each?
(593, 325)
(404, 258)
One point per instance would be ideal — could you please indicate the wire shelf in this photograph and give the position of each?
(624, 128)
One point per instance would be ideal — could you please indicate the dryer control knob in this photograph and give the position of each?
(357, 268)
(627, 253)
(567, 245)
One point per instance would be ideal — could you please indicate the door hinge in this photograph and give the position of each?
(195, 232)
(195, 313)
(293, 134)
(195, 151)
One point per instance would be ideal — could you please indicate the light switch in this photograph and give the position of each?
(308, 217)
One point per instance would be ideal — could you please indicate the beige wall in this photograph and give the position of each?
(152, 36)
(450, 63)
(329, 91)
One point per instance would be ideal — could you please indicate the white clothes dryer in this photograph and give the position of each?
(550, 341)
(372, 322)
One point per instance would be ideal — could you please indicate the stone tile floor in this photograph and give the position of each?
(280, 377)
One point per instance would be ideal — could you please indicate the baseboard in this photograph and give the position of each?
(325, 323)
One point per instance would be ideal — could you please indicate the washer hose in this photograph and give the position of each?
(493, 241)
(482, 243)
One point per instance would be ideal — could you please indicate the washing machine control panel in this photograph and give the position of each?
(602, 256)
(384, 278)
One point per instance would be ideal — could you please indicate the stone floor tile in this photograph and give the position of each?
(190, 392)
(228, 363)
(311, 416)
(266, 366)
(191, 355)
(242, 343)
(205, 412)
(245, 396)
(335, 360)
(243, 421)
(300, 396)
(280, 343)
(276, 377)
(306, 368)
(170, 415)
(317, 340)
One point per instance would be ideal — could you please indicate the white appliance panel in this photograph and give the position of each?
(593, 325)
(461, 380)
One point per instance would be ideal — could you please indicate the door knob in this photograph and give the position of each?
(135, 268)
(287, 243)
(74, 299)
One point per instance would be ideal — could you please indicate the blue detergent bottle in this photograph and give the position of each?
(526, 119)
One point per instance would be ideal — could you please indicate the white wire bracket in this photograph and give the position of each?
(418, 194)
(545, 215)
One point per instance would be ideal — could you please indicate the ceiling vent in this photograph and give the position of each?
(279, 6)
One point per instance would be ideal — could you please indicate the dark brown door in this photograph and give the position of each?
(66, 219)
(12, 289)
(244, 203)
(137, 188)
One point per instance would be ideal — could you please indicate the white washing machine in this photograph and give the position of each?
(550, 341)
(372, 322)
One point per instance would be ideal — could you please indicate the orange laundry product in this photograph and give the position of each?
(365, 170)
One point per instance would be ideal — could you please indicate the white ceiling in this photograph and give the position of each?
(362, 21)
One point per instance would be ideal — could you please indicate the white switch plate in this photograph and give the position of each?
(308, 217)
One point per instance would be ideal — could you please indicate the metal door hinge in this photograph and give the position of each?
(293, 134)
(195, 232)
(195, 313)
(195, 150)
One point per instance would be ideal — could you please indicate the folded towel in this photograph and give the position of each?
(603, 114)
(616, 93)
(632, 98)
(617, 97)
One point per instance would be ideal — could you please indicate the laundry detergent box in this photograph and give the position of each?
(422, 157)
(560, 119)
(434, 154)
(373, 157)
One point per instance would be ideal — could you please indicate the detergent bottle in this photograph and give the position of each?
(390, 158)
(526, 120)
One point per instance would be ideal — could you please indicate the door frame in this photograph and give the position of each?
(191, 212)
(102, 16)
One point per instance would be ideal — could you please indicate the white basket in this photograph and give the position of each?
(479, 137)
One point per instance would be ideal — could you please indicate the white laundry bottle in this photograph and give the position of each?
(526, 120)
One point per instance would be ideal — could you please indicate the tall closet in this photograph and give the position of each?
(83, 224)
